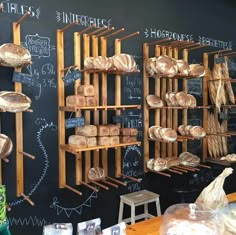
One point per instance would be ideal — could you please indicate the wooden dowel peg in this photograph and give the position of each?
(89, 186)
(106, 31)
(69, 26)
(189, 45)
(27, 199)
(195, 48)
(87, 29)
(204, 166)
(100, 185)
(5, 159)
(229, 54)
(116, 181)
(70, 67)
(107, 182)
(29, 110)
(1, 7)
(72, 189)
(190, 168)
(114, 33)
(179, 169)
(174, 171)
(129, 36)
(131, 178)
(159, 41)
(216, 52)
(97, 31)
(23, 18)
(8, 207)
(28, 155)
(162, 173)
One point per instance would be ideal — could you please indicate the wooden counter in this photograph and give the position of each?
(151, 226)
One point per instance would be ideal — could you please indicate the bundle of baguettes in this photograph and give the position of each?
(216, 141)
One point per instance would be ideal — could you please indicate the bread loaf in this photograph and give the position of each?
(13, 55)
(102, 63)
(172, 162)
(104, 140)
(103, 130)
(133, 139)
(196, 70)
(75, 100)
(133, 132)
(182, 99)
(197, 132)
(168, 134)
(151, 66)
(86, 90)
(96, 173)
(181, 130)
(91, 141)
(114, 140)
(183, 67)
(11, 101)
(125, 139)
(78, 141)
(87, 130)
(124, 62)
(172, 99)
(6, 146)
(189, 159)
(125, 131)
(156, 132)
(114, 130)
(192, 101)
(88, 63)
(154, 101)
(166, 66)
(90, 101)
(151, 132)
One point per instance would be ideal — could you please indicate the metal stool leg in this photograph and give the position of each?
(132, 214)
(158, 207)
(121, 209)
(146, 211)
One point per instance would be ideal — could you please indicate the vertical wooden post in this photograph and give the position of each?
(61, 102)
(104, 102)
(77, 61)
(118, 102)
(19, 125)
(86, 44)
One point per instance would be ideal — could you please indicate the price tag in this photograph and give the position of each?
(71, 76)
(23, 78)
(115, 230)
(74, 122)
(220, 60)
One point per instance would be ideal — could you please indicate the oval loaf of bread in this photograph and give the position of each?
(124, 62)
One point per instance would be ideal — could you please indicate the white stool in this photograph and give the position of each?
(139, 198)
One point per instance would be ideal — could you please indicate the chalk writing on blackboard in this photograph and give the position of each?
(195, 86)
(43, 126)
(84, 20)
(131, 162)
(20, 9)
(133, 187)
(135, 121)
(31, 221)
(37, 45)
(133, 87)
(78, 209)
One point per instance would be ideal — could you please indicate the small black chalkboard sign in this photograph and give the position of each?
(71, 76)
(23, 78)
(220, 60)
(74, 122)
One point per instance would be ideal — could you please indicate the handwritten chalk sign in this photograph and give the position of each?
(71, 77)
(120, 119)
(38, 46)
(23, 78)
(74, 122)
(220, 60)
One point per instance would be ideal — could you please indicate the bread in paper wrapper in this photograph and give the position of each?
(13, 55)
(213, 196)
(11, 101)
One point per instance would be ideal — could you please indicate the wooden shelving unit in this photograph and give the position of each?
(94, 156)
(166, 116)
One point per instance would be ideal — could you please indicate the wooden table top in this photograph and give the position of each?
(151, 226)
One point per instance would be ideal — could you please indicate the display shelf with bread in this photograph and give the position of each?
(218, 87)
(15, 56)
(164, 100)
(96, 139)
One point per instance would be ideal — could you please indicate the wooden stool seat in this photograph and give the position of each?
(143, 197)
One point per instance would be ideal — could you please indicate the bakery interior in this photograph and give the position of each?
(117, 117)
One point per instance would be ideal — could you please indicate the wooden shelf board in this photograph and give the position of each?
(110, 107)
(74, 150)
(175, 77)
(219, 162)
(180, 107)
(110, 71)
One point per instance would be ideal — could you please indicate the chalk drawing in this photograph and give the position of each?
(43, 126)
(70, 210)
(31, 221)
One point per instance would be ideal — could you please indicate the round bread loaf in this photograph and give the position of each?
(189, 159)
(181, 130)
(196, 70)
(6, 146)
(154, 101)
(124, 62)
(13, 55)
(160, 164)
(182, 98)
(151, 132)
(102, 63)
(168, 134)
(187, 129)
(157, 133)
(183, 67)
(166, 66)
(150, 65)
(172, 98)
(197, 132)
(88, 63)
(192, 101)
(96, 173)
(11, 101)
(150, 163)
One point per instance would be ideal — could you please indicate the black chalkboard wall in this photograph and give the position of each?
(207, 21)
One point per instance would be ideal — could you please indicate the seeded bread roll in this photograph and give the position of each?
(13, 55)
(77, 141)
(11, 101)
(87, 130)
(75, 100)
(154, 101)
(124, 62)
(86, 90)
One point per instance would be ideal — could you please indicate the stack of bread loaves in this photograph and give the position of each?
(128, 135)
(84, 97)
(108, 134)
